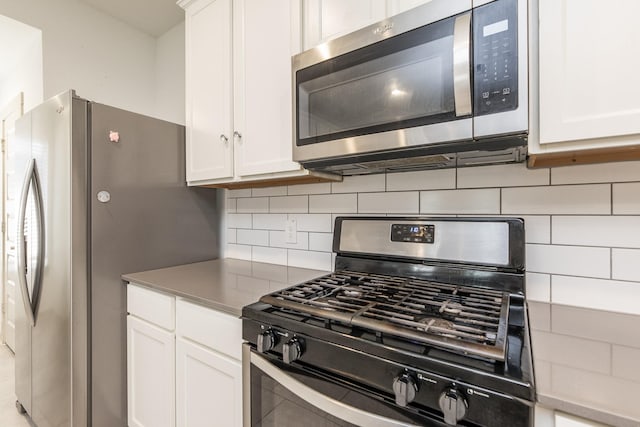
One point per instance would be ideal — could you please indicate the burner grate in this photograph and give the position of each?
(460, 318)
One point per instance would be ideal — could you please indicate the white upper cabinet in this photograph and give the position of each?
(208, 79)
(589, 98)
(263, 44)
(395, 7)
(327, 19)
(239, 91)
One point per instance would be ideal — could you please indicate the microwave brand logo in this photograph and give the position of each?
(383, 28)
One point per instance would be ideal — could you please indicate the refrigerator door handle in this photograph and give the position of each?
(31, 301)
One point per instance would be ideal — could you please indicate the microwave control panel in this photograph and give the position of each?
(495, 57)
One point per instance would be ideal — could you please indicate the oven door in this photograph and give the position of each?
(282, 395)
(372, 91)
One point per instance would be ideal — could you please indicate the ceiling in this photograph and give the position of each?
(154, 17)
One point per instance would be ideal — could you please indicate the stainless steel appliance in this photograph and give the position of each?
(102, 192)
(441, 85)
(423, 322)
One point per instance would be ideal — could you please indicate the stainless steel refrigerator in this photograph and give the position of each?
(100, 192)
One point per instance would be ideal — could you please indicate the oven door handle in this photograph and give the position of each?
(327, 404)
(461, 64)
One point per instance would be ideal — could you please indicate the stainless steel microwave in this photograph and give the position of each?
(441, 85)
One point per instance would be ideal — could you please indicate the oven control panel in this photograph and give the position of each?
(413, 233)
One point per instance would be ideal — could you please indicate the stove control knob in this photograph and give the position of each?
(266, 341)
(453, 406)
(291, 351)
(405, 389)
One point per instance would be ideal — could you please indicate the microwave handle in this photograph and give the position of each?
(461, 64)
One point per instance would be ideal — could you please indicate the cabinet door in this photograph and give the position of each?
(588, 70)
(209, 387)
(209, 150)
(326, 19)
(150, 375)
(263, 45)
(395, 7)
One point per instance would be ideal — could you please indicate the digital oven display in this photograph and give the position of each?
(413, 233)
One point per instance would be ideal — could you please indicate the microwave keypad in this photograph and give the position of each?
(495, 57)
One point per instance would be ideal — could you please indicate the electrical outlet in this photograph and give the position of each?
(291, 231)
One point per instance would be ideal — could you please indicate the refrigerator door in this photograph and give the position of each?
(22, 158)
(143, 216)
(51, 335)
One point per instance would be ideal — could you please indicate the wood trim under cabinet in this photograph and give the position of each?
(277, 182)
(581, 157)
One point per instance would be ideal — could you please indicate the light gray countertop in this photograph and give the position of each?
(226, 285)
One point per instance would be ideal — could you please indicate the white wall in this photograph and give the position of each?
(583, 250)
(170, 75)
(21, 69)
(100, 57)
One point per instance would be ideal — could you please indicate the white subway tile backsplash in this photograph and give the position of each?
(610, 295)
(243, 192)
(319, 188)
(269, 255)
(400, 202)
(543, 383)
(440, 179)
(236, 220)
(230, 205)
(231, 235)
(253, 237)
(269, 191)
(313, 222)
(347, 203)
(359, 184)
(322, 242)
(626, 199)
(589, 174)
(253, 205)
(460, 202)
(568, 199)
(599, 325)
(269, 221)
(626, 362)
(599, 391)
(624, 264)
(539, 315)
(578, 353)
(511, 175)
(277, 239)
(537, 228)
(238, 251)
(310, 259)
(610, 231)
(289, 204)
(569, 260)
(538, 287)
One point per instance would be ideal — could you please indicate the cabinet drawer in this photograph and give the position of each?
(218, 331)
(152, 306)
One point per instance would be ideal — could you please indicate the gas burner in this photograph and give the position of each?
(457, 318)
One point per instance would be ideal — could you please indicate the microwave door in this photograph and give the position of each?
(408, 90)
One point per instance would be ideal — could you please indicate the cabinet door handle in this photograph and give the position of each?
(237, 134)
(224, 138)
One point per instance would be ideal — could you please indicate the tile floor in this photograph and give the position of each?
(9, 417)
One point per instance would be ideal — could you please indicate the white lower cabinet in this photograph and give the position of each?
(183, 363)
(209, 387)
(150, 375)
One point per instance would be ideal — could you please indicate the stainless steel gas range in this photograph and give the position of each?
(423, 322)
